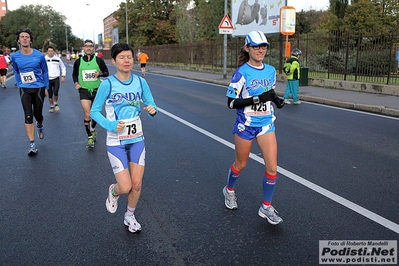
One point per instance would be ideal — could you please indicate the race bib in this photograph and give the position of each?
(259, 109)
(132, 129)
(89, 75)
(28, 77)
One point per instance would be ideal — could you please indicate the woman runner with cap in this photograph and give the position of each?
(251, 93)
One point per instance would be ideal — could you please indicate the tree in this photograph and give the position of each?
(308, 21)
(338, 7)
(363, 16)
(186, 24)
(209, 13)
(47, 25)
(150, 22)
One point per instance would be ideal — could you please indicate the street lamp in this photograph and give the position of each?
(66, 38)
(127, 31)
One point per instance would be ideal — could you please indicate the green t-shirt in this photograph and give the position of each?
(87, 79)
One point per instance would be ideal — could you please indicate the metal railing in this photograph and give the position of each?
(338, 55)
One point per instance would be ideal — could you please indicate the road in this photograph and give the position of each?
(337, 181)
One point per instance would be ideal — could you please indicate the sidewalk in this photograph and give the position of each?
(369, 102)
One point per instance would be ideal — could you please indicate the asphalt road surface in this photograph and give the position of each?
(337, 180)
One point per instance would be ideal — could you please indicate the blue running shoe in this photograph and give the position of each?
(32, 149)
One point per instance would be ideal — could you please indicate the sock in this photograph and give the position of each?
(232, 178)
(113, 191)
(32, 141)
(268, 184)
(87, 127)
(130, 210)
(93, 125)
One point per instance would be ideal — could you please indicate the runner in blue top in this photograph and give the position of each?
(31, 74)
(122, 94)
(251, 93)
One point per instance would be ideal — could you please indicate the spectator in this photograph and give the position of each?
(293, 76)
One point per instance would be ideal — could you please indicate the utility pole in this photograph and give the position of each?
(66, 38)
(225, 46)
(127, 31)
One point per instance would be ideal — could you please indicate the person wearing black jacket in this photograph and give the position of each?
(86, 74)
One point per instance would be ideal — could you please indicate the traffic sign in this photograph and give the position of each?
(226, 23)
(226, 26)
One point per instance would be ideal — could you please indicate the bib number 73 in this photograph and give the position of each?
(133, 129)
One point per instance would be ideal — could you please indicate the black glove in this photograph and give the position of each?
(267, 96)
(278, 102)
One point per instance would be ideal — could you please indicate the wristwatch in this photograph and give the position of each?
(256, 99)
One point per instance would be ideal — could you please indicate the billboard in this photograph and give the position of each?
(249, 15)
(100, 41)
(115, 36)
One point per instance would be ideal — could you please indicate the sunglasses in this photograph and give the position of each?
(263, 47)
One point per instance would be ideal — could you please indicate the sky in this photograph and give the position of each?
(86, 16)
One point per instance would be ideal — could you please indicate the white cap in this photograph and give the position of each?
(256, 38)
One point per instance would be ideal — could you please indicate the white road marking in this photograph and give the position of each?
(350, 205)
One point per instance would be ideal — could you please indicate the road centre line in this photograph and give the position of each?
(350, 205)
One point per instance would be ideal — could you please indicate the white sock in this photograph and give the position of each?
(130, 210)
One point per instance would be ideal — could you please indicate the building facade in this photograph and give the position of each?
(3, 7)
(109, 24)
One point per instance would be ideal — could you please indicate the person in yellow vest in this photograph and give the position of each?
(86, 74)
(293, 76)
(143, 58)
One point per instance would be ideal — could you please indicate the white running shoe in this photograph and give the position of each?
(111, 202)
(286, 101)
(130, 220)
(270, 214)
(230, 199)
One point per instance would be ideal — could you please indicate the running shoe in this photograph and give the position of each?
(298, 102)
(32, 149)
(57, 108)
(40, 131)
(94, 135)
(230, 199)
(287, 101)
(4, 85)
(90, 142)
(131, 221)
(51, 110)
(270, 214)
(111, 202)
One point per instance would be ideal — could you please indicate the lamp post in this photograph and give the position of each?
(127, 31)
(66, 38)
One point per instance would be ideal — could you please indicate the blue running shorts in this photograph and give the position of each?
(249, 133)
(120, 156)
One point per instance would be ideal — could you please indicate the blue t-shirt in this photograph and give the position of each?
(121, 100)
(30, 70)
(248, 81)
